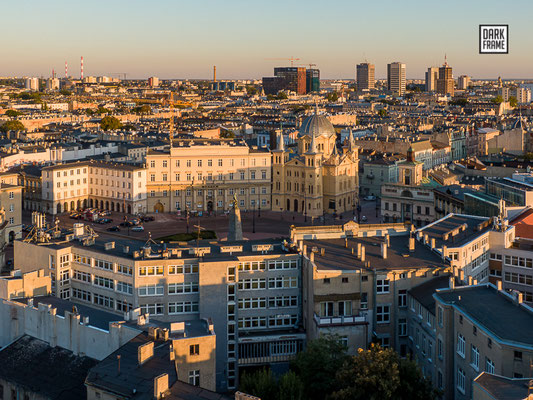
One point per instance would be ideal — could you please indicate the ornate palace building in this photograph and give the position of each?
(318, 179)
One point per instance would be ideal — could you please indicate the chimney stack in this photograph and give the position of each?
(363, 253)
(470, 280)
(411, 244)
(452, 282)
(384, 250)
(519, 298)
(444, 252)
(312, 256)
(432, 241)
(359, 246)
(387, 240)
(499, 285)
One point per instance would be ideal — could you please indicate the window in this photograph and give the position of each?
(152, 309)
(364, 301)
(345, 308)
(382, 286)
(461, 380)
(344, 280)
(283, 282)
(103, 265)
(383, 314)
(124, 287)
(402, 298)
(282, 320)
(252, 283)
(150, 271)
(103, 282)
(281, 301)
(474, 357)
(440, 380)
(252, 322)
(252, 303)
(327, 280)
(194, 349)
(489, 366)
(402, 326)
(180, 288)
(461, 345)
(124, 269)
(518, 355)
(440, 312)
(183, 307)
(439, 348)
(326, 309)
(151, 290)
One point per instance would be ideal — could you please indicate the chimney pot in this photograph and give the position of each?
(499, 285)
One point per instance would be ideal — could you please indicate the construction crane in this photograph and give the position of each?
(292, 60)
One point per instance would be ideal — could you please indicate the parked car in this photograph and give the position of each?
(104, 221)
(369, 198)
(147, 218)
(74, 215)
(363, 218)
(125, 224)
(135, 221)
(114, 229)
(138, 228)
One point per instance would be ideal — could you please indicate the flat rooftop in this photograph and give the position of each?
(453, 223)
(339, 257)
(493, 310)
(213, 249)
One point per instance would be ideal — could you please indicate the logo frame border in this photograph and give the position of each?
(493, 52)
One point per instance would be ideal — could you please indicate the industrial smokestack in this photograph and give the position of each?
(81, 68)
(214, 73)
(66, 70)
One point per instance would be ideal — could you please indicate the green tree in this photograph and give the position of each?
(251, 90)
(13, 125)
(260, 384)
(290, 387)
(513, 101)
(227, 134)
(382, 112)
(144, 109)
(333, 97)
(282, 96)
(380, 374)
(497, 100)
(458, 102)
(110, 123)
(317, 365)
(65, 92)
(13, 113)
(270, 97)
(102, 110)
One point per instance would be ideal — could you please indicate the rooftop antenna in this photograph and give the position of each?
(66, 70)
(445, 59)
(81, 68)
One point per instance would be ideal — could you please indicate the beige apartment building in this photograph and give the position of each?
(105, 185)
(356, 279)
(203, 175)
(480, 328)
(11, 203)
(318, 179)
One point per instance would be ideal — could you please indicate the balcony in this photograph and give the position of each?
(323, 322)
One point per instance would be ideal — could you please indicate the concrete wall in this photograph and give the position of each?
(68, 331)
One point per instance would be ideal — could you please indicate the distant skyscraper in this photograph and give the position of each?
(286, 78)
(432, 75)
(396, 81)
(463, 82)
(312, 80)
(366, 79)
(445, 83)
(32, 84)
(153, 81)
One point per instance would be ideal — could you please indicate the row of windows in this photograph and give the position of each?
(273, 302)
(272, 265)
(182, 307)
(210, 176)
(209, 162)
(274, 321)
(102, 264)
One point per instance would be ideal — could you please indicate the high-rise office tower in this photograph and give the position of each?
(312, 77)
(365, 76)
(432, 75)
(286, 78)
(396, 81)
(445, 83)
(463, 82)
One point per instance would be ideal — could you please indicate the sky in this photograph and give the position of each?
(185, 38)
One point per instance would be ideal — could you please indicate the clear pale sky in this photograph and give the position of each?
(185, 38)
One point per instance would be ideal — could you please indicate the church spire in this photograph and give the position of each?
(351, 143)
(280, 145)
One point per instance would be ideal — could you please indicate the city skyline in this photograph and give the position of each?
(186, 40)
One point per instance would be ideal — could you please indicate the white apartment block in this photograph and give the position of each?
(104, 185)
